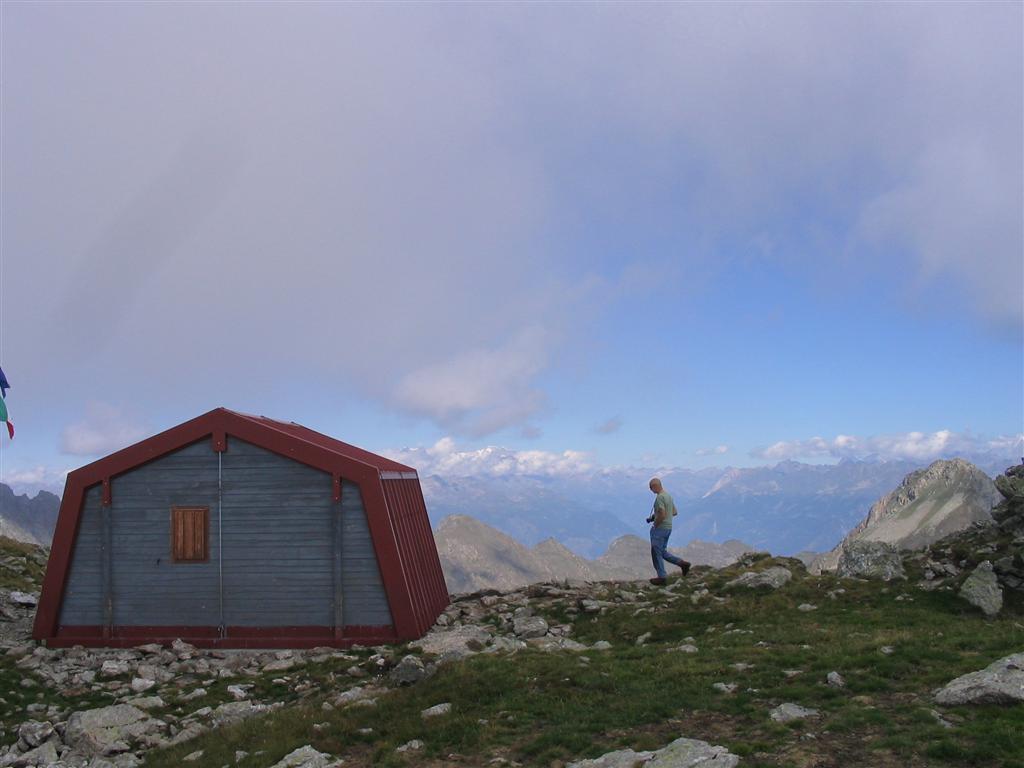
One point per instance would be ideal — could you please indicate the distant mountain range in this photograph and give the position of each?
(788, 508)
(476, 556)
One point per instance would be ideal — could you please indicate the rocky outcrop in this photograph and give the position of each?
(981, 589)
(870, 560)
(1009, 513)
(1001, 682)
(681, 753)
(770, 578)
(948, 496)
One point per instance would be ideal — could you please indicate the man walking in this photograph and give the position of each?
(661, 518)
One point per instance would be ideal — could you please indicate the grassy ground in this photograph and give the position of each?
(27, 575)
(544, 709)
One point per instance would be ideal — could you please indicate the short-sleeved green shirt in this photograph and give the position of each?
(664, 501)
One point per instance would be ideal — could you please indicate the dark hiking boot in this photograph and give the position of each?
(657, 582)
(685, 567)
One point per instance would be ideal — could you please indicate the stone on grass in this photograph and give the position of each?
(620, 758)
(691, 753)
(24, 599)
(835, 680)
(193, 757)
(773, 578)
(806, 607)
(437, 710)
(141, 684)
(103, 730)
(306, 757)
(787, 712)
(601, 645)
(725, 687)
(42, 756)
(408, 671)
(1001, 682)
(981, 589)
(410, 746)
(529, 626)
(685, 648)
(34, 732)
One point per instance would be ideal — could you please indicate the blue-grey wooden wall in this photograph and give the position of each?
(278, 546)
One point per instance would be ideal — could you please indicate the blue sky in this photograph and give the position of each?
(682, 235)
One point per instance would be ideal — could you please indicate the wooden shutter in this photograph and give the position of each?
(190, 529)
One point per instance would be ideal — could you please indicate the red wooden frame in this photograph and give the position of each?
(292, 441)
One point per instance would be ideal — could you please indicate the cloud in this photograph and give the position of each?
(444, 458)
(33, 479)
(914, 446)
(401, 226)
(613, 424)
(718, 450)
(104, 429)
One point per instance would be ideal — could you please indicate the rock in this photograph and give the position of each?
(685, 648)
(601, 645)
(99, 731)
(981, 589)
(888, 650)
(806, 607)
(1001, 682)
(529, 626)
(725, 687)
(146, 702)
(835, 680)
(236, 711)
(24, 599)
(410, 746)
(198, 693)
(772, 578)
(691, 753)
(193, 757)
(458, 639)
(239, 692)
(870, 560)
(280, 665)
(112, 668)
(306, 757)
(784, 713)
(33, 733)
(642, 639)
(43, 756)
(622, 758)
(141, 685)
(408, 671)
(240, 755)
(437, 710)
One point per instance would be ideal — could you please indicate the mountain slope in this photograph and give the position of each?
(946, 497)
(28, 519)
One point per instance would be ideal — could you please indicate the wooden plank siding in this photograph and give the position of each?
(280, 563)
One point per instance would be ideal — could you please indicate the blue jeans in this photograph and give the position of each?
(659, 553)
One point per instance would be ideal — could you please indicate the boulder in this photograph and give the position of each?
(1001, 682)
(691, 753)
(437, 710)
(981, 589)
(104, 730)
(306, 757)
(621, 758)
(408, 671)
(772, 578)
(529, 626)
(32, 733)
(784, 713)
(870, 560)
(43, 756)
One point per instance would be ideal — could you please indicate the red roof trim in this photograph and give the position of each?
(290, 440)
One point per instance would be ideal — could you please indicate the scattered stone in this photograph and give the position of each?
(940, 719)
(239, 692)
(981, 589)
(642, 639)
(306, 757)
(806, 607)
(33, 733)
(685, 648)
(529, 626)
(601, 645)
(888, 650)
(408, 671)
(622, 758)
(192, 757)
(280, 665)
(410, 746)
(772, 578)
(107, 729)
(835, 680)
(691, 753)
(198, 693)
(436, 710)
(725, 687)
(240, 755)
(788, 712)
(24, 599)
(141, 685)
(1001, 682)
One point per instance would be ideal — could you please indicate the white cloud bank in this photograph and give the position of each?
(717, 450)
(913, 446)
(104, 429)
(444, 458)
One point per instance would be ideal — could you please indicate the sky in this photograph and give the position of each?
(570, 234)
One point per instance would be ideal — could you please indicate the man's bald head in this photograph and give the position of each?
(655, 485)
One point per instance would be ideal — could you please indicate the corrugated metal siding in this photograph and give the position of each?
(420, 563)
(83, 595)
(278, 558)
(148, 588)
(364, 601)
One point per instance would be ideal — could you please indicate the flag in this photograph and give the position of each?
(4, 386)
(3, 418)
